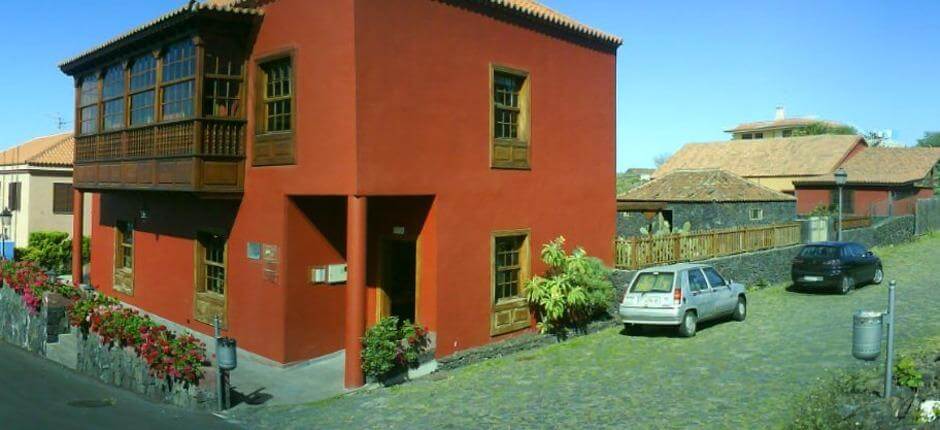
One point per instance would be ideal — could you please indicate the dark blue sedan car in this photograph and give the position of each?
(839, 265)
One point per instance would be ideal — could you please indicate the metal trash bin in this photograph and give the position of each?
(226, 353)
(866, 334)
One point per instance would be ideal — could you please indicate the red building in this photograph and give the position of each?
(301, 168)
(880, 182)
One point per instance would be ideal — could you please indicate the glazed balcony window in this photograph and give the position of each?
(170, 118)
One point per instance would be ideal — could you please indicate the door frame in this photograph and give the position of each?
(383, 303)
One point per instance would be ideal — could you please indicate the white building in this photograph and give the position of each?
(36, 186)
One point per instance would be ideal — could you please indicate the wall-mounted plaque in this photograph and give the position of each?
(254, 251)
(269, 255)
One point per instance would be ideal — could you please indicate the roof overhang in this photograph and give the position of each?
(154, 29)
(639, 206)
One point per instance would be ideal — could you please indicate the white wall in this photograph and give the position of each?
(36, 196)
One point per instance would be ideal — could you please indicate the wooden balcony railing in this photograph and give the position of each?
(195, 155)
(190, 138)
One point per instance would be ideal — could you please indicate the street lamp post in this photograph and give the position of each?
(6, 217)
(840, 176)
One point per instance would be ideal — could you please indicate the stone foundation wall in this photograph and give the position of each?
(18, 326)
(889, 231)
(113, 365)
(123, 368)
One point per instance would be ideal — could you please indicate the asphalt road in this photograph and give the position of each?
(37, 394)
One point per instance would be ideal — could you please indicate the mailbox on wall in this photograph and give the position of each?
(336, 274)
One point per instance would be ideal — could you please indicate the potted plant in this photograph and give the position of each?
(391, 347)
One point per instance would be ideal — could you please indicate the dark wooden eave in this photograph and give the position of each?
(639, 206)
(156, 29)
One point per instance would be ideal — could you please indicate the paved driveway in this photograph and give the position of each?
(39, 394)
(731, 375)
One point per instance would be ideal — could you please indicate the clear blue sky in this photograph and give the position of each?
(687, 70)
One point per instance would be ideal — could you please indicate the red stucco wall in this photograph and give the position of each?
(403, 112)
(423, 112)
(867, 200)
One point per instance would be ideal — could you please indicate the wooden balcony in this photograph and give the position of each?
(205, 156)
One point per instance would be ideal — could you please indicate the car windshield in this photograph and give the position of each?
(653, 282)
(820, 252)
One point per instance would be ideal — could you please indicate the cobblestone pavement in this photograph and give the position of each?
(731, 375)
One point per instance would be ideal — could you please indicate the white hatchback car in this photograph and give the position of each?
(681, 295)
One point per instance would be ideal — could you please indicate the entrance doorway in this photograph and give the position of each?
(398, 278)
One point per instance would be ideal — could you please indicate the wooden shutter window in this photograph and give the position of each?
(13, 196)
(211, 286)
(124, 257)
(510, 270)
(509, 116)
(275, 111)
(62, 198)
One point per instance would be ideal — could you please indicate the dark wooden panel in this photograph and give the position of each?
(224, 173)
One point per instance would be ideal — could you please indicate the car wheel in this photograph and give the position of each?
(688, 325)
(879, 276)
(740, 310)
(846, 286)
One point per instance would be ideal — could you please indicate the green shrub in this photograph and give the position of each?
(576, 288)
(389, 346)
(822, 210)
(907, 375)
(52, 250)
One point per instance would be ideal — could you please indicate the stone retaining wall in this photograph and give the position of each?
(18, 326)
(890, 231)
(123, 368)
(112, 365)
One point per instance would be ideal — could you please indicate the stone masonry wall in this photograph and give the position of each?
(123, 368)
(112, 365)
(890, 231)
(18, 326)
(710, 216)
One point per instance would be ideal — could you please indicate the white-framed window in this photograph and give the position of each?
(757, 214)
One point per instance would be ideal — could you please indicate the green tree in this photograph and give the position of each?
(931, 139)
(820, 127)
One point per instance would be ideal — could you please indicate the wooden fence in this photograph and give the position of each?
(852, 222)
(638, 252)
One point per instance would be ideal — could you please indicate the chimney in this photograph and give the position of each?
(781, 114)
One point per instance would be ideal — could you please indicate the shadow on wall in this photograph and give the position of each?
(170, 214)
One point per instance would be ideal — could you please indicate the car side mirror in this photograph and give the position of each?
(869, 254)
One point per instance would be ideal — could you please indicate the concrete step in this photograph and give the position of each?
(65, 351)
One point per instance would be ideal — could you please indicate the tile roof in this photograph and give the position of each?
(57, 150)
(179, 13)
(780, 123)
(706, 185)
(884, 166)
(527, 8)
(775, 157)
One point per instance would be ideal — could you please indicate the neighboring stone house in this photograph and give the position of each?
(36, 186)
(774, 163)
(695, 200)
(780, 126)
(880, 182)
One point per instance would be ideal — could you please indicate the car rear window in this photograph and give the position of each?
(820, 251)
(653, 282)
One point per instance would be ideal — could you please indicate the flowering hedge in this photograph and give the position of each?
(30, 282)
(178, 357)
